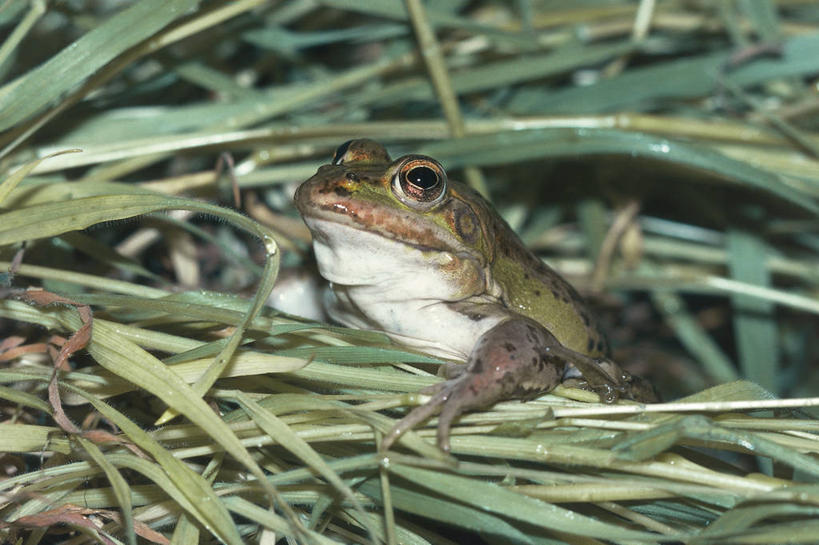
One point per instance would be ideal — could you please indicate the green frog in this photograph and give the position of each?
(428, 261)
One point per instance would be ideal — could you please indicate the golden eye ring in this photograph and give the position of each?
(420, 180)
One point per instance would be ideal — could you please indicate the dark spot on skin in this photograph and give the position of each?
(555, 294)
(352, 176)
(509, 347)
(341, 191)
(537, 293)
(548, 358)
(590, 345)
(477, 366)
(474, 316)
(531, 334)
(508, 379)
(526, 276)
(601, 346)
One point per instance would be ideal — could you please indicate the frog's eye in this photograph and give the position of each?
(340, 152)
(420, 180)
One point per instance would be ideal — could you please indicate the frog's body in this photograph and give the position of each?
(428, 261)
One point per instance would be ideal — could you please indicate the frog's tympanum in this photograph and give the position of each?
(428, 261)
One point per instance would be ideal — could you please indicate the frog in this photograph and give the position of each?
(428, 261)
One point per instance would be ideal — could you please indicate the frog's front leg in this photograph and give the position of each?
(517, 358)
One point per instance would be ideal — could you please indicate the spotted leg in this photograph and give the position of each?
(517, 358)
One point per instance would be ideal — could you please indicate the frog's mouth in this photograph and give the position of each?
(335, 227)
(400, 226)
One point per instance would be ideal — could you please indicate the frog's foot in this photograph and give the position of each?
(417, 415)
(512, 360)
(453, 397)
(609, 381)
(599, 375)
(639, 389)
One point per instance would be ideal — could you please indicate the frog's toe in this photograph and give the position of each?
(599, 375)
(449, 398)
(611, 383)
(641, 390)
(452, 410)
(609, 393)
(433, 389)
(416, 416)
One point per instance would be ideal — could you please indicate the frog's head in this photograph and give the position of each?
(365, 204)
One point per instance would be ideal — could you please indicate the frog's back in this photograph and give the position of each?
(532, 288)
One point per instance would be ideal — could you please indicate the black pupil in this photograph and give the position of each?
(422, 177)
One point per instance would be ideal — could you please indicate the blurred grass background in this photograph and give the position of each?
(661, 155)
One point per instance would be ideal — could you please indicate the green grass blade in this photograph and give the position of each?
(62, 73)
(204, 503)
(118, 485)
(497, 499)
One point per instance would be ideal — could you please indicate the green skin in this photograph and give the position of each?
(521, 327)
